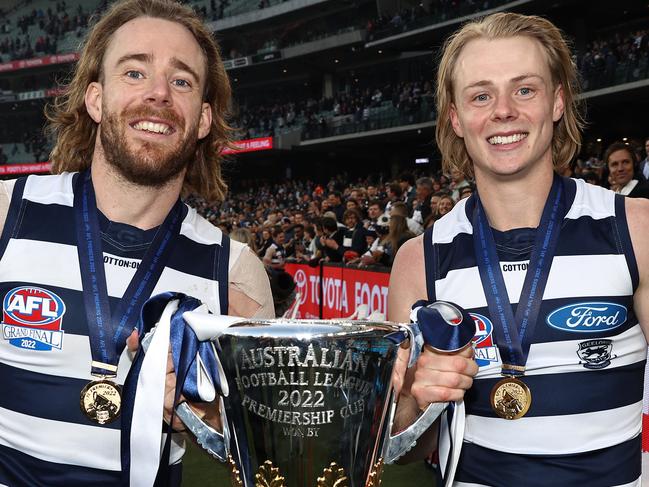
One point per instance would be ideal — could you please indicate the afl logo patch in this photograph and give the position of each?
(485, 349)
(591, 317)
(595, 354)
(32, 318)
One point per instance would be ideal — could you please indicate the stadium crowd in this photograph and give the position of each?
(363, 223)
(426, 12)
(618, 57)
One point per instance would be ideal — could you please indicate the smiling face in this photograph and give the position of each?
(149, 102)
(505, 106)
(620, 166)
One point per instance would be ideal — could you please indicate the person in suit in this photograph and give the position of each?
(643, 168)
(620, 162)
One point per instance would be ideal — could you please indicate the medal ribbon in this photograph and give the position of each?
(514, 333)
(108, 332)
(145, 385)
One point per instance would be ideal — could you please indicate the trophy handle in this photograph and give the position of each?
(445, 328)
(209, 327)
(207, 437)
(401, 443)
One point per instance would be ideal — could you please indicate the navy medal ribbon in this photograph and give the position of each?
(108, 331)
(514, 333)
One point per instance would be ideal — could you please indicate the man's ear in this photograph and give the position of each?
(205, 122)
(455, 121)
(93, 99)
(559, 104)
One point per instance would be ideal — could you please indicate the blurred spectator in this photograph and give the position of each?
(643, 170)
(424, 193)
(354, 235)
(620, 161)
(407, 182)
(244, 235)
(444, 205)
(332, 240)
(275, 256)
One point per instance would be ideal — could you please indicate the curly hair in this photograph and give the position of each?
(75, 131)
(566, 139)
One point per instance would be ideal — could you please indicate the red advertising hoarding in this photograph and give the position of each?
(251, 145)
(343, 290)
(36, 167)
(41, 61)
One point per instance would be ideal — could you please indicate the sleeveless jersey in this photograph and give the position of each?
(586, 363)
(45, 440)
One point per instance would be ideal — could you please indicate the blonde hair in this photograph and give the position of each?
(566, 139)
(75, 131)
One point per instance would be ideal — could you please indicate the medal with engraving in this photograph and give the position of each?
(511, 398)
(100, 400)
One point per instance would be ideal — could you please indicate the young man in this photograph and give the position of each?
(555, 273)
(143, 120)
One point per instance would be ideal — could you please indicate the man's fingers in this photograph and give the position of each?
(459, 363)
(132, 342)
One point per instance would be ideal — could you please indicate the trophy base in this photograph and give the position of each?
(332, 476)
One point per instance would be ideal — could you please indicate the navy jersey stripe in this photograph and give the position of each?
(59, 396)
(430, 262)
(625, 238)
(16, 208)
(20, 470)
(581, 392)
(32, 228)
(40, 221)
(617, 465)
(221, 273)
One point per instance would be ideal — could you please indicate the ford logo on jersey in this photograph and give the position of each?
(32, 317)
(485, 350)
(588, 317)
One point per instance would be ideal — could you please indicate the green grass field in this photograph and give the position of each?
(200, 470)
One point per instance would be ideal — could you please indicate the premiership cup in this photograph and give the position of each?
(306, 403)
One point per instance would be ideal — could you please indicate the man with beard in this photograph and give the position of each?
(141, 122)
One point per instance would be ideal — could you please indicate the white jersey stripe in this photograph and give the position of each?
(561, 357)
(64, 272)
(72, 364)
(33, 435)
(574, 276)
(561, 435)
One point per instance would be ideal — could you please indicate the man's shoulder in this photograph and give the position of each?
(412, 251)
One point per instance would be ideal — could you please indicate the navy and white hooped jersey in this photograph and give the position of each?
(586, 363)
(45, 440)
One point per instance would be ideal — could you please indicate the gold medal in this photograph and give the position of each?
(511, 398)
(101, 401)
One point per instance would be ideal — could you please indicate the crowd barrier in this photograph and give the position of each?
(335, 291)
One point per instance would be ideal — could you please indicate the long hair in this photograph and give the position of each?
(398, 226)
(75, 131)
(566, 139)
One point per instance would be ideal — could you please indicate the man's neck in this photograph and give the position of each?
(515, 203)
(121, 201)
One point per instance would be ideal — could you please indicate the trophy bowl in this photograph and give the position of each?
(306, 403)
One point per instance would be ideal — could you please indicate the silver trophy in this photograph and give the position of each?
(306, 403)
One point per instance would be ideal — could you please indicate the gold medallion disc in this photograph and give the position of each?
(511, 398)
(101, 401)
